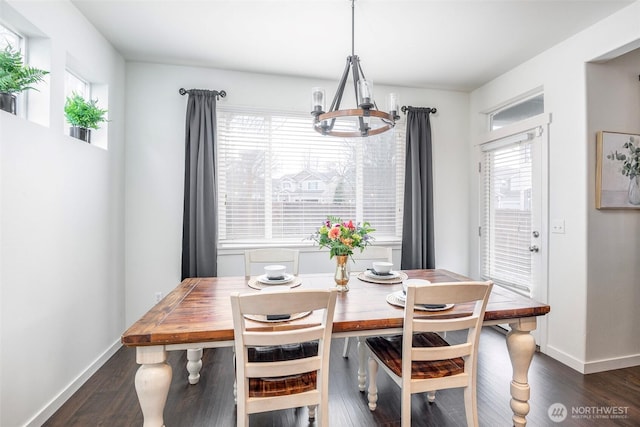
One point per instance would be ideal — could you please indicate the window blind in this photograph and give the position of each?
(278, 179)
(506, 212)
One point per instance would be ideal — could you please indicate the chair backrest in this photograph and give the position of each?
(473, 295)
(364, 259)
(270, 256)
(277, 303)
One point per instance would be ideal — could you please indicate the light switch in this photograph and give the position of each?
(557, 226)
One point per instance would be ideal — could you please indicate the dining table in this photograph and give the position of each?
(197, 315)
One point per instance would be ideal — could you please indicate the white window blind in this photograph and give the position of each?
(278, 179)
(506, 212)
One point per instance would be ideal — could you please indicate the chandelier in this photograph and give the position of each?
(369, 120)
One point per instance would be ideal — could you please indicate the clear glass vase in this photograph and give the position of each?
(634, 190)
(342, 273)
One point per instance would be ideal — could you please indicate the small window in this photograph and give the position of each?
(516, 112)
(9, 38)
(73, 83)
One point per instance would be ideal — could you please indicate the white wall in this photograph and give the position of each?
(155, 168)
(561, 71)
(62, 230)
(613, 104)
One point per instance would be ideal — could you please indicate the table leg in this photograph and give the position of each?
(152, 381)
(521, 346)
(194, 364)
(362, 359)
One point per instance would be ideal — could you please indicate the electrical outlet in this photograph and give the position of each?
(158, 296)
(557, 226)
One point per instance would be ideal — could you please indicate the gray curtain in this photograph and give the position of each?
(417, 223)
(200, 220)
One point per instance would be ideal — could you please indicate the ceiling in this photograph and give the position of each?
(454, 44)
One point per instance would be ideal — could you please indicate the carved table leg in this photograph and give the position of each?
(153, 379)
(362, 358)
(521, 346)
(194, 364)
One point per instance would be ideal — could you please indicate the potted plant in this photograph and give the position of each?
(83, 116)
(15, 77)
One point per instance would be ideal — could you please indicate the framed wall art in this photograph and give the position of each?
(617, 170)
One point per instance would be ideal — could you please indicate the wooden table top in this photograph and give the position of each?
(199, 309)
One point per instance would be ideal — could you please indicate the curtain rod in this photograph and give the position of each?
(219, 94)
(431, 110)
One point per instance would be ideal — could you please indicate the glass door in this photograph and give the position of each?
(513, 231)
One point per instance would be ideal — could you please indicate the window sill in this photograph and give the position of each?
(305, 246)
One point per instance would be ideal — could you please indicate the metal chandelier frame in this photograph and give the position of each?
(324, 122)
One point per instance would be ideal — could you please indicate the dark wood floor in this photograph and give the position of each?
(109, 398)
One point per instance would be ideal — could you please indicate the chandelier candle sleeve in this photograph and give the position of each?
(365, 91)
(317, 100)
(392, 103)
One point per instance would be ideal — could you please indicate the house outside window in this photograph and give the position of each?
(278, 179)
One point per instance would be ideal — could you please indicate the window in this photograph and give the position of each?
(75, 84)
(8, 37)
(278, 179)
(517, 112)
(506, 202)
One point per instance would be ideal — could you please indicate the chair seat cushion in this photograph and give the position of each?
(389, 350)
(280, 386)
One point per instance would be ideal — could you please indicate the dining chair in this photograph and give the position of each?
(363, 260)
(251, 256)
(270, 255)
(284, 365)
(420, 360)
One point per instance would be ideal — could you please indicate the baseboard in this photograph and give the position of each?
(611, 364)
(49, 409)
(566, 359)
(596, 365)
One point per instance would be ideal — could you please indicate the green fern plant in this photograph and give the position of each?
(16, 76)
(82, 113)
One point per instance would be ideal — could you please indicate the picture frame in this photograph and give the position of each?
(617, 170)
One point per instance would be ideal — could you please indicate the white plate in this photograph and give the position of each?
(264, 279)
(392, 275)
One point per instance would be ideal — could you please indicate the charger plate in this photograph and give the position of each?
(394, 299)
(263, 318)
(256, 284)
(390, 281)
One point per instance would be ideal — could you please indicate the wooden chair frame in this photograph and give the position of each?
(270, 255)
(422, 358)
(293, 301)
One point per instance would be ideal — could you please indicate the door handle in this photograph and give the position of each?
(534, 248)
